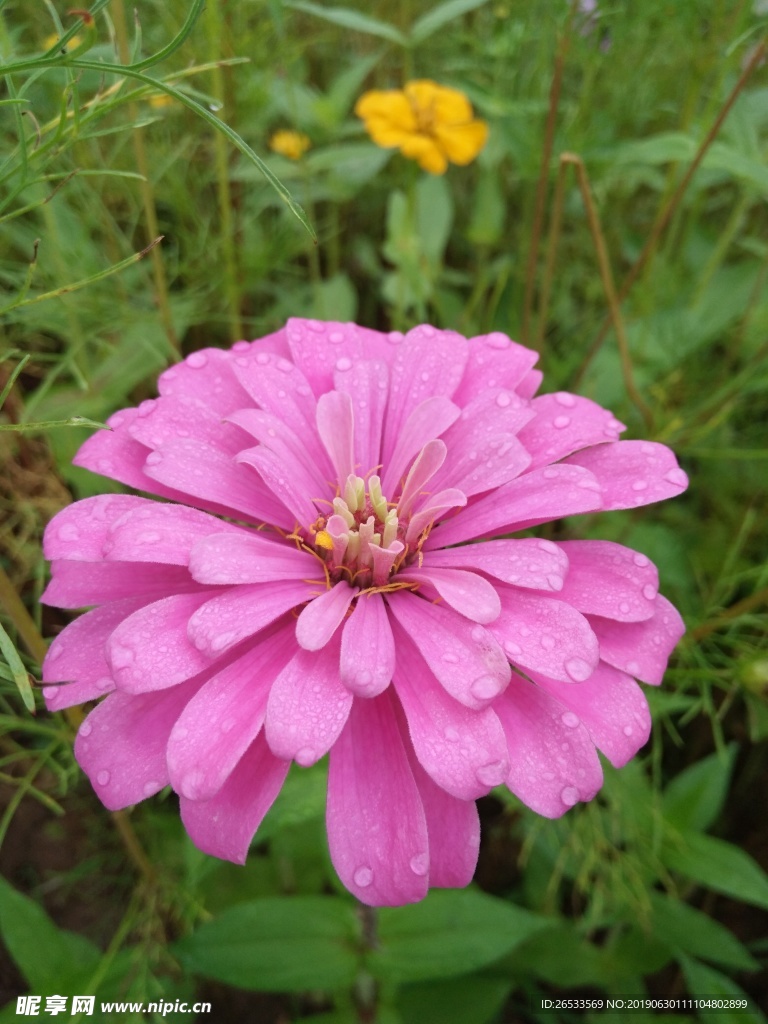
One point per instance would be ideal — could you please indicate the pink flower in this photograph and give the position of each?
(310, 584)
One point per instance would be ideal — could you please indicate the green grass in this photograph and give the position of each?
(95, 166)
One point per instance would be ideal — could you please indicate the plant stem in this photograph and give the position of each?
(147, 193)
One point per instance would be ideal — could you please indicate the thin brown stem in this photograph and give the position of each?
(553, 242)
(610, 290)
(541, 185)
(747, 604)
(667, 211)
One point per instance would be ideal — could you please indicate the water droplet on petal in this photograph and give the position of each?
(491, 774)
(450, 659)
(363, 877)
(676, 476)
(86, 729)
(121, 656)
(503, 399)
(550, 473)
(627, 730)
(561, 422)
(624, 607)
(633, 668)
(640, 560)
(262, 358)
(103, 778)
(649, 592)
(555, 582)
(105, 683)
(485, 687)
(569, 796)
(547, 545)
(151, 787)
(578, 669)
(547, 641)
(477, 634)
(343, 364)
(497, 340)
(197, 360)
(305, 757)
(566, 399)
(153, 458)
(222, 640)
(451, 734)
(639, 485)
(420, 864)
(512, 648)
(68, 532)
(569, 719)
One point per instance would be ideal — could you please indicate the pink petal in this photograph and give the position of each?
(463, 751)
(466, 592)
(240, 612)
(213, 480)
(336, 427)
(319, 348)
(367, 648)
(633, 473)
(270, 431)
(150, 650)
(464, 657)
(553, 763)
(610, 580)
(538, 564)
(249, 558)
(545, 635)
(427, 362)
(536, 497)
(320, 619)
(565, 423)
(225, 825)
(453, 827)
(80, 584)
(206, 375)
(425, 423)
(612, 707)
(377, 831)
(79, 530)
(530, 384)
(494, 362)
(430, 459)
(160, 420)
(223, 719)
(78, 654)
(121, 744)
(483, 450)
(287, 481)
(641, 649)
(279, 387)
(433, 510)
(158, 532)
(115, 454)
(368, 384)
(308, 706)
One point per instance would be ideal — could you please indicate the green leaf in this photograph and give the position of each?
(451, 932)
(347, 18)
(434, 216)
(301, 798)
(559, 956)
(695, 797)
(50, 958)
(18, 672)
(682, 927)
(277, 945)
(430, 22)
(718, 865)
(704, 981)
(459, 1000)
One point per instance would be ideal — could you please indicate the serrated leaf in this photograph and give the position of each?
(450, 933)
(718, 865)
(430, 22)
(50, 959)
(277, 945)
(560, 957)
(695, 797)
(354, 20)
(682, 927)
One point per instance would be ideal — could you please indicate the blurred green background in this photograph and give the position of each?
(655, 887)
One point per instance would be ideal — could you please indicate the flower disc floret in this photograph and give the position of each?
(342, 563)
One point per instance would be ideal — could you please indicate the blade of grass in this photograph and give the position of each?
(16, 665)
(36, 428)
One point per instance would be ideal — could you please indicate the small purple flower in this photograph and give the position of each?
(311, 584)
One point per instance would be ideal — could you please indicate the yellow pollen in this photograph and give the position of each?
(324, 540)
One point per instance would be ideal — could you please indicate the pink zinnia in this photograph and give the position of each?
(311, 585)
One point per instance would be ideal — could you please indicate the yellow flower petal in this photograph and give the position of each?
(426, 152)
(462, 143)
(289, 143)
(383, 110)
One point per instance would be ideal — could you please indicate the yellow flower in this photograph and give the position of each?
(51, 41)
(158, 100)
(429, 123)
(289, 143)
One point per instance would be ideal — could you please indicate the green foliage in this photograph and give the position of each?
(632, 893)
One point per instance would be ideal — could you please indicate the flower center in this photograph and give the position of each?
(364, 540)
